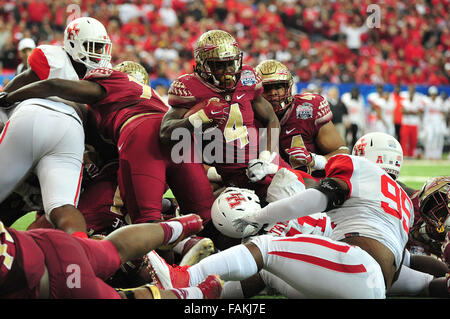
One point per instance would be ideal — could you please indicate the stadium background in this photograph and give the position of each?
(410, 46)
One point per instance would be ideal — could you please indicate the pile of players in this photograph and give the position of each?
(276, 190)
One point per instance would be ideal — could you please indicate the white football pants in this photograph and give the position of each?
(318, 267)
(49, 141)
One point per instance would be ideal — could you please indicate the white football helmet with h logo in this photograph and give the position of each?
(232, 203)
(87, 42)
(382, 149)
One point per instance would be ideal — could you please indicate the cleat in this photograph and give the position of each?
(211, 287)
(165, 276)
(192, 224)
(195, 249)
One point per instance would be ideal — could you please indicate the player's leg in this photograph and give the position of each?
(314, 265)
(134, 241)
(16, 151)
(59, 170)
(142, 169)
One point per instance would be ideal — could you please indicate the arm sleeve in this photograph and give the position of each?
(309, 202)
(340, 166)
(39, 64)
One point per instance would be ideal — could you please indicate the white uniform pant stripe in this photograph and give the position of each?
(319, 267)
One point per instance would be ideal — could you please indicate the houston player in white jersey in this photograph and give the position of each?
(48, 136)
(372, 216)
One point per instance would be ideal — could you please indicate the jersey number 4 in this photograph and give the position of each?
(397, 201)
(235, 128)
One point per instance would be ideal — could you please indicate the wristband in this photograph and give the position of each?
(80, 234)
(319, 161)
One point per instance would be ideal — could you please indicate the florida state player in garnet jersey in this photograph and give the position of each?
(51, 264)
(232, 96)
(128, 112)
(305, 119)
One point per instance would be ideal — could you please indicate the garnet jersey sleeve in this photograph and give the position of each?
(301, 123)
(313, 106)
(51, 61)
(190, 89)
(125, 97)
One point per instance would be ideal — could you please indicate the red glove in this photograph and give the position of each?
(216, 110)
(300, 155)
(213, 111)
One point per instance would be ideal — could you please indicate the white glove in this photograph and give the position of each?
(284, 184)
(247, 225)
(259, 168)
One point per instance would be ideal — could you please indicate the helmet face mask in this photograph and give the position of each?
(87, 42)
(277, 82)
(232, 203)
(381, 149)
(218, 59)
(434, 203)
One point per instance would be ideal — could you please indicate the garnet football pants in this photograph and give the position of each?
(146, 170)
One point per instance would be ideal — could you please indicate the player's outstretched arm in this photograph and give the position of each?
(85, 92)
(20, 80)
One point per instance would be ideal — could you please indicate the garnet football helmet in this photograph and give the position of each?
(87, 42)
(134, 69)
(382, 149)
(230, 204)
(275, 74)
(218, 59)
(434, 203)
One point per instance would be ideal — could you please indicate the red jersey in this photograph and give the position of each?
(239, 134)
(21, 264)
(125, 98)
(302, 121)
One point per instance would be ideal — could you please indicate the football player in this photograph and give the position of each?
(51, 264)
(231, 94)
(128, 113)
(432, 224)
(86, 46)
(362, 257)
(308, 138)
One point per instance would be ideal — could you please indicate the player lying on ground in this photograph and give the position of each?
(49, 263)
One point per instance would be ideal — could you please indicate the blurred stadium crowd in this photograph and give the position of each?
(319, 41)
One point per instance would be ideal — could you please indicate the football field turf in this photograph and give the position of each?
(414, 173)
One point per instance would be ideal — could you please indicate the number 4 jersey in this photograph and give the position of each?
(377, 207)
(239, 133)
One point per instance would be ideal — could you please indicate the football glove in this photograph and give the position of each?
(301, 157)
(214, 111)
(248, 225)
(259, 168)
(284, 184)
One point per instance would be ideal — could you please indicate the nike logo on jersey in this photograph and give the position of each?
(240, 96)
(290, 131)
(212, 112)
(120, 147)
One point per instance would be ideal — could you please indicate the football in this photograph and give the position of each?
(197, 107)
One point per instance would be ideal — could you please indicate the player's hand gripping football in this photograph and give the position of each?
(300, 156)
(213, 113)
